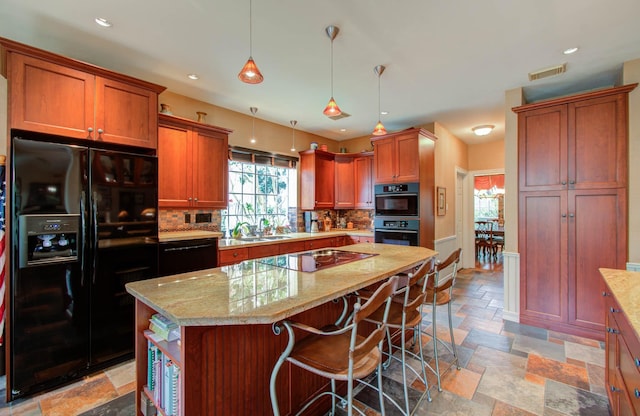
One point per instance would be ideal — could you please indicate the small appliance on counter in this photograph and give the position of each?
(310, 221)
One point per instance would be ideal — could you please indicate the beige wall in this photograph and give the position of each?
(270, 137)
(358, 144)
(485, 156)
(631, 75)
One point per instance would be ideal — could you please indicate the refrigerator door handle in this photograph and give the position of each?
(94, 215)
(83, 230)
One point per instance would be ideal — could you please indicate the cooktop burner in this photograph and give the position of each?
(311, 261)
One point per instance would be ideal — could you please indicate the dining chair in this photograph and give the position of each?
(484, 238)
(338, 353)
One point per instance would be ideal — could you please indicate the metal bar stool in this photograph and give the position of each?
(441, 293)
(405, 314)
(338, 353)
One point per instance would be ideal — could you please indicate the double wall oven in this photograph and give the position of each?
(397, 214)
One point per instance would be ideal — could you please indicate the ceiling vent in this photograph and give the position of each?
(547, 72)
(341, 115)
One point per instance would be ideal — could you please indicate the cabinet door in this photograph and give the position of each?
(597, 238)
(407, 158)
(344, 183)
(598, 143)
(543, 255)
(542, 149)
(363, 167)
(324, 181)
(210, 163)
(175, 167)
(384, 160)
(125, 114)
(50, 98)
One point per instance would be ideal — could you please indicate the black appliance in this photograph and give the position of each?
(187, 256)
(84, 224)
(397, 231)
(311, 261)
(397, 200)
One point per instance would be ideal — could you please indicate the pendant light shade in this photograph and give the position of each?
(253, 110)
(250, 72)
(332, 108)
(379, 129)
(293, 134)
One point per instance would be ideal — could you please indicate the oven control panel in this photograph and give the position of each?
(396, 224)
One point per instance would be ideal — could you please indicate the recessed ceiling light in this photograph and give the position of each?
(193, 76)
(482, 130)
(384, 113)
(103, 22)
(569, 51)
(343, 129)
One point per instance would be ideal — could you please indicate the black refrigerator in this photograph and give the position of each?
(84, 223)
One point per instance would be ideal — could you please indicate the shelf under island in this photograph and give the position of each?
(227, 347)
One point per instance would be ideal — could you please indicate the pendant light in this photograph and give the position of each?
(379, 129)
(332, 108)
(250, 72)
(253, 110)
(293, 134)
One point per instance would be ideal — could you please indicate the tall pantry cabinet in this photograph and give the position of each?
(572, 155)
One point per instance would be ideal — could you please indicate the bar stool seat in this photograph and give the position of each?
(338, 353)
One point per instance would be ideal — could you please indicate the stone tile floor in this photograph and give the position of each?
(506, 368)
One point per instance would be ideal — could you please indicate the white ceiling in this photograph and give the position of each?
(449, 61)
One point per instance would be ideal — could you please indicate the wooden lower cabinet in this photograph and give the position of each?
(565, 237)
(232, 256)
(622, 376)
(226, 369)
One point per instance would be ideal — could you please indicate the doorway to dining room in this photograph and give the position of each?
(488, 215)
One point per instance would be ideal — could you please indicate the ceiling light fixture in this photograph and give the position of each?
(193, 76)
(103, 22)
(253, 110)
(250, 72)
(483, 130)
(293, 134)
(569, 51)
(332, 109)
(379, 129)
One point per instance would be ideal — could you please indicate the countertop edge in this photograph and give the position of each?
(618, 283)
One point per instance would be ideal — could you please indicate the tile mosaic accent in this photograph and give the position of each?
(175, 220)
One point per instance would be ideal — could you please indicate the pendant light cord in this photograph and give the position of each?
(331, 68)
(250, 29)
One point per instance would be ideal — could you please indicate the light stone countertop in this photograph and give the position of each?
(165, 236)
(230, 243)
(255, 293)
(625, 287)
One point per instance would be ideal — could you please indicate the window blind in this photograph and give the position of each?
(243, 154)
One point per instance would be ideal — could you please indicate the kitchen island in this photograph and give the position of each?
(227, 348)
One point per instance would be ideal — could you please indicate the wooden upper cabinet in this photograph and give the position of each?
(317, 187)
(192, 164)
(397, 158)
(345, 192)
(577, 142)
(57, 95)
(125, 114)
(363, 168)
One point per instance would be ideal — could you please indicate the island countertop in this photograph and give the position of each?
(252, 292)
(625, 287)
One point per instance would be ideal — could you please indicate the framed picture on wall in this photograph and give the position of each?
(441, 199)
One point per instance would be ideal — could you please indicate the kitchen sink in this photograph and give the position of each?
(275, 237)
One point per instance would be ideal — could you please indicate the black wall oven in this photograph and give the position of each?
(405, 232)
(397, 200)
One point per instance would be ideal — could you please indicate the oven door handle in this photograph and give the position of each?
(388, 230)
(400, 194)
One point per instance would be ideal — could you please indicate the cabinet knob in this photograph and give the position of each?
(90, 129)
(571, 215)
(189, 199)
(572, 182)
(614, 310)
(564, 182)
(637, 361)
(636, 393)
(614, 389)
(100, 131)
(195, 199)
(564, 215)
(605, 294)
(235, 254)
(613, 331)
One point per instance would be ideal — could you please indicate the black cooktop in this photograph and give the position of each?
(311, 261)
